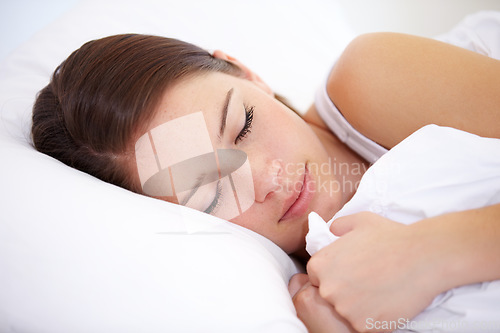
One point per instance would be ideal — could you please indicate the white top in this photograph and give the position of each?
(366, 148)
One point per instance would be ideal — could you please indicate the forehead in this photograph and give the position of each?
(200, 93)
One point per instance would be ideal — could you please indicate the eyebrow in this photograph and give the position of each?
(224, 112)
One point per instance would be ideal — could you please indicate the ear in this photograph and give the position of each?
(249, 74)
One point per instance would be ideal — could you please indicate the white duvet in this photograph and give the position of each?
(436, 170)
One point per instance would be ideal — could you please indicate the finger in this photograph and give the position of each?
(345, 224)
(316, 265)
(316, 313)
(296, 283)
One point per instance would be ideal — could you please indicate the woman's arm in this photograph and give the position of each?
(388, 85)
(467, 241)
(389, 272)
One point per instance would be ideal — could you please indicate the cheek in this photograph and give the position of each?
(254, 219)
(257, 219)
(279, 122)
(277, 131)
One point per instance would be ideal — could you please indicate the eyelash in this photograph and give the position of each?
(248, 124)
(217, 200)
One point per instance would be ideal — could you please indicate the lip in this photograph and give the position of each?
(298, 203)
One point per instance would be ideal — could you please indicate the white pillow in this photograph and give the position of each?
(80, 255)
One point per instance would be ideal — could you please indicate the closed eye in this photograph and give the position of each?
(217, 199)
(248, 124)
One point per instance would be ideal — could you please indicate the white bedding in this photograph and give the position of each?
(436, 170)
(78, 255)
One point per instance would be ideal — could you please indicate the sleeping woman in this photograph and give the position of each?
(170, 120)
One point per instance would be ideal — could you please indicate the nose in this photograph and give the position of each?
(267, 177)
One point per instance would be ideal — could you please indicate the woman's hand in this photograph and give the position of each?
(316, 313)
(377, 272)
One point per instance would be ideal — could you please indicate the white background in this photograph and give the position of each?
(20, 19)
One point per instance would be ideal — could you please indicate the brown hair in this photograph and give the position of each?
(104, 94)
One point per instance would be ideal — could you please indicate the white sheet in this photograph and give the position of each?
(436, 170)
(78, 255)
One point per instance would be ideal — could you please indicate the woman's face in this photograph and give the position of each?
(284, 154)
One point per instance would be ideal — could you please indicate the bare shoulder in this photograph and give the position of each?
(388, 85)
